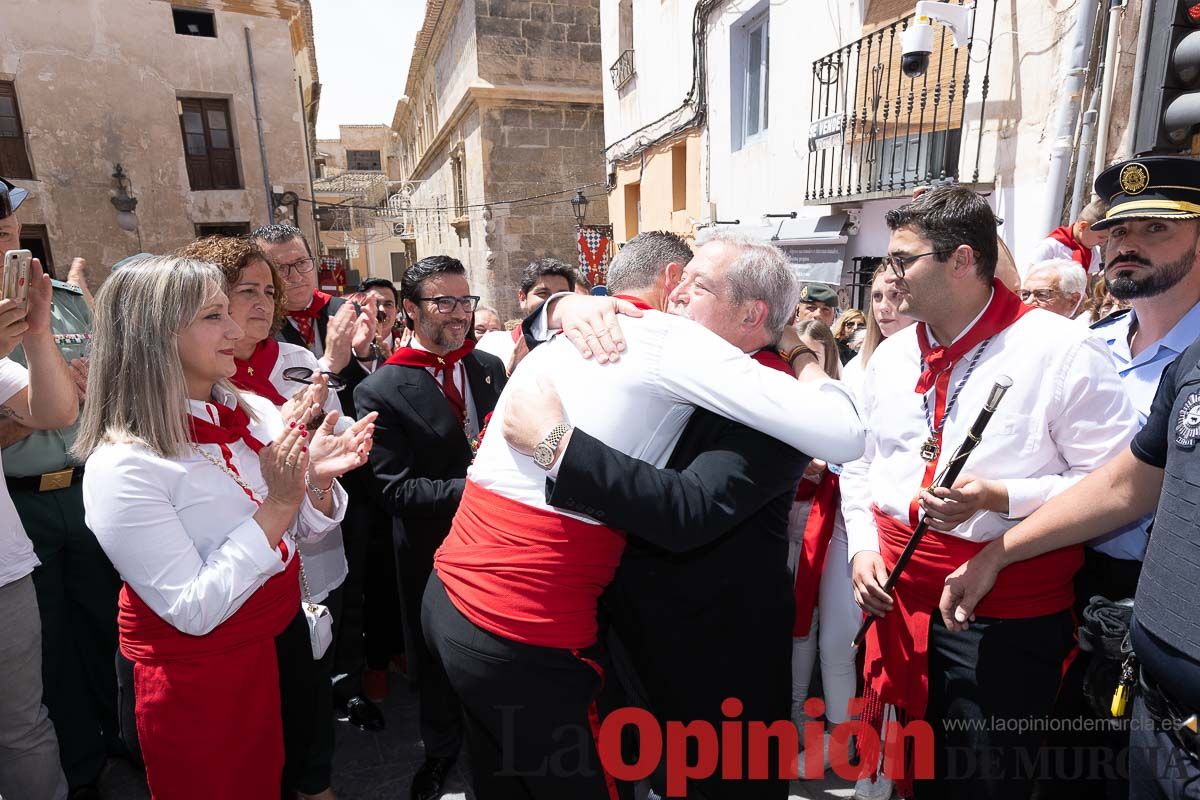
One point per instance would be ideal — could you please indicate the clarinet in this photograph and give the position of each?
(944, 481)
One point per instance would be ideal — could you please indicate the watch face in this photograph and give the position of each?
(543, 454)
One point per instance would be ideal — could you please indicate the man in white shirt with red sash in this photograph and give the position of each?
(1065, 415)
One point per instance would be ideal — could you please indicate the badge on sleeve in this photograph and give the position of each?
(1187, 430)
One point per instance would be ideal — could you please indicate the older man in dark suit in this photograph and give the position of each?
(433, 398)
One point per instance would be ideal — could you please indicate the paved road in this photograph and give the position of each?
(379, 766)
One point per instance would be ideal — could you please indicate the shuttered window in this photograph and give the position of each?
(14, 158)
(208, 145)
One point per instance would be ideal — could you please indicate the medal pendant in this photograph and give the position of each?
(930, 450)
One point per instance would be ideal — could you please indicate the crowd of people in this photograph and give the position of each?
(233, 503)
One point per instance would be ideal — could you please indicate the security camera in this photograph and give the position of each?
(916, 43)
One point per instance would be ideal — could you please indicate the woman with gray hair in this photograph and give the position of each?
(199, 494)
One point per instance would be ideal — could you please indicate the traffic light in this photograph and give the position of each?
(1169, 114)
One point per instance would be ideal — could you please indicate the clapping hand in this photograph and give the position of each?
(308, 403)
(335, 454)
(283, 463)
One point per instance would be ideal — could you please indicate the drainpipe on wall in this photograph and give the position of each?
(1116, 11)
(1065, 117)
(262, 142)
(1087, 138)
(1139, 70)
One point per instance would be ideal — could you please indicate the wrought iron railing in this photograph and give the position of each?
(875, 132)
(622, 70)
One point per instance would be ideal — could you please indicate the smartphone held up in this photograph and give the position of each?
(14, 285)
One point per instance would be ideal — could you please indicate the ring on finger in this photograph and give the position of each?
(291, 464)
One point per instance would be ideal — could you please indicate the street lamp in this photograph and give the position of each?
(579, 205)
(123, 202)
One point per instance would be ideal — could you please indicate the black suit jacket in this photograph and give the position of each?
(420, 456)
(353, 373)
(702, 600)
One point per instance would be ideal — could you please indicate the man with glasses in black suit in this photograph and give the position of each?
(433, 397)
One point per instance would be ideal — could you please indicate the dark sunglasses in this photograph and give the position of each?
(306, 375)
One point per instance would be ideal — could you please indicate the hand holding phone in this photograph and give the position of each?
(15, 282)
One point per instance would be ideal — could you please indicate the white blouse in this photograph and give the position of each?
(181, 532)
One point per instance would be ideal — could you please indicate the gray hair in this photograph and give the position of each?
(760, 271)
(136, 388)
(643, 259)
(1071, 277)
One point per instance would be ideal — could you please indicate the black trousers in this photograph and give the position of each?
(441, 719)
(77, 590)
(300, 688)
(1089, 763)
(526, 709)
(991, 692)
(1159, 769)
(357, 529)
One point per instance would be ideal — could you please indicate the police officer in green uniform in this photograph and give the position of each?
(76, 584)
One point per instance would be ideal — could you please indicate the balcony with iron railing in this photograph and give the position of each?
(622, 70)
(877, 133)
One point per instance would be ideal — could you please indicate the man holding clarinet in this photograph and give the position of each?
(1064, 415)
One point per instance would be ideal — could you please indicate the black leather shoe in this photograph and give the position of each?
(427, 783)
(362, 713)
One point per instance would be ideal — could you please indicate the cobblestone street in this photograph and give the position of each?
(379, 766)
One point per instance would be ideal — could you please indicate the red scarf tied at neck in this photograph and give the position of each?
(1004, 309)
(233, 425)
(254, 375)
(304, 319)
(412, 357)
(636, 301)
(1079, 254)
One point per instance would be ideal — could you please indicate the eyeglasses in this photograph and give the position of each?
(306, 375)
(1041, 295)
(446, 304)
(303, 266)
(898, 264)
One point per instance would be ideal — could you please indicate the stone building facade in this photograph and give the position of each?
(501, 123)
(166, 90)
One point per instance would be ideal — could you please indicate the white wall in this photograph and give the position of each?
(662, 43)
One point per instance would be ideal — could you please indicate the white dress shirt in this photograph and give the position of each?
(181, 532)
(459, 373)
(17, 558)
(1049, 248)
(640, 404)
(498, 343)
(324, 559)
(1065, 415)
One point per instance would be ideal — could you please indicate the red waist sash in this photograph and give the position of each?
(897, 646)
(145, 636)
(525, 573)
(818, 531)
(194, 695)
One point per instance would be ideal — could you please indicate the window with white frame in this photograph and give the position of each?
(755, 86)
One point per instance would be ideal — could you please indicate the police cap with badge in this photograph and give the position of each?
(818, 293)
(1154, 187)
(11, 197)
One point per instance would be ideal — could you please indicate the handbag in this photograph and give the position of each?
(317, 616)
(320, 621)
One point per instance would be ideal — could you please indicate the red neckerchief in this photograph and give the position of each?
(517, 333)
(1004, 309)
(254, 375)
(412, 357)
(637, 301)
(818, 531)
(233, 425)
(304, 319)
(1079, 254)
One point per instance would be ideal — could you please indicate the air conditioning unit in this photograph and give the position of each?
(398, 229)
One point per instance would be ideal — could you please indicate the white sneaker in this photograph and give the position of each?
(867, 789)
(824, 757)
